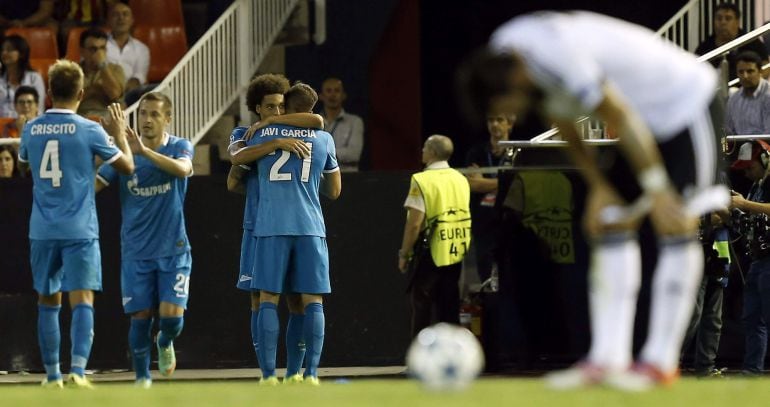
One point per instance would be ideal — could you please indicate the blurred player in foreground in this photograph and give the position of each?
(661, 101)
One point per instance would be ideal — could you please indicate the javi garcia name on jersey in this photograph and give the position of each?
(299, 133)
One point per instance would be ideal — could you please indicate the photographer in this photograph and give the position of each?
(753, 160)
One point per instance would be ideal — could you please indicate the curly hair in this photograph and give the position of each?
(262, 85)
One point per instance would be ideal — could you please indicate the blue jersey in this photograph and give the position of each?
(250, 180)
(152, 205)
(60, 147)
(288, 185)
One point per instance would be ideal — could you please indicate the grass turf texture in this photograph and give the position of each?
(392, 392)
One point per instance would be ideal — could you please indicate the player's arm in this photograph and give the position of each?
(331, 184)
(99, 185)
(581, 154)
(235, 181)
(178, 167)
(253, 153)
(639, 148)
(307, 120)
(115, 125)
(412, 226)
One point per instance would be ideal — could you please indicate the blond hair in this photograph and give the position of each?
(65, 80)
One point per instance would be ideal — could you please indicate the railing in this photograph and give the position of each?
(694, 22)
(216, 70)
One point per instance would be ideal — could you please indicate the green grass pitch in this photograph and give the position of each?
(390, 392)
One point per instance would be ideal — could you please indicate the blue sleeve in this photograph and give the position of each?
(101, 145)
(23, 155)
(184, 149)
(107, 174)
(331, 155)
(237, 134)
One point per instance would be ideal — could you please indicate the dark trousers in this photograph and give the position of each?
(706, 325)
(432, 290)
(756, 313)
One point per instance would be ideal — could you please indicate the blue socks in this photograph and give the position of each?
(140, 341)
(267, 337)
(82, 336)
(49, 339)
(255, 335)
(295, 344)
(313, 330)
(170, 328)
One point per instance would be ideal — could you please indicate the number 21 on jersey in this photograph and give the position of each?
(275, 170)
(49, 164)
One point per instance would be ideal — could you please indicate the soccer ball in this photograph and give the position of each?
(445, 357)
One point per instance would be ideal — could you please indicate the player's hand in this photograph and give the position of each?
(115, 122)
(599, 198)
(669, 215)
(295, 146)
(252, 129)
(134, 141)
(402, 263)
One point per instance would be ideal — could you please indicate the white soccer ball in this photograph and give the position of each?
(445, 357)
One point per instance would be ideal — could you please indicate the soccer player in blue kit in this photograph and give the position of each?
(265, 98)
(291, 251)
(59, 147)
(155, 252)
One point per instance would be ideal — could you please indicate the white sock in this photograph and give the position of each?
(674, 285)
(614, 281)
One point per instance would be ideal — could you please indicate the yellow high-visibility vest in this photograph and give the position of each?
(447, 198)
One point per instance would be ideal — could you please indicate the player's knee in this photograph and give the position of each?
(52, 300)
(143, 314)
(311, 299)
(294, 302)
(81, 296)
(265, 296)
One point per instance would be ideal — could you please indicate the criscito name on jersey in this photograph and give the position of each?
(52, 128)
(299, 133)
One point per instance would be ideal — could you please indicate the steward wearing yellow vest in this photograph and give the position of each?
(438, 221)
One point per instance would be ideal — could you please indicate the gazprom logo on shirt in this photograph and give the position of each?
(146, 191)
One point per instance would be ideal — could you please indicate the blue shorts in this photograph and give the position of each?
(65, 265)
(248, 246)
(292, 264)
(146, 283)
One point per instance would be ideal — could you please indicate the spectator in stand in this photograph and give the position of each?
(26, 102)
(346, 128)
(8, 167)
(104, 81)
(484, 189)
(748, 110)
(16, 71)
(727, 28)
(27, 13)
(123, 49)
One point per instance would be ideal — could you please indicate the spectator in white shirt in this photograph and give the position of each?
(123, 49)
(346, 128)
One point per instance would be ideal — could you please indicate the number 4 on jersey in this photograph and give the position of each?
(49, 165)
